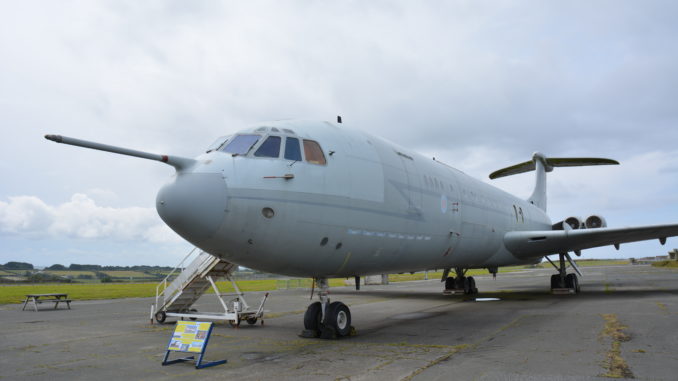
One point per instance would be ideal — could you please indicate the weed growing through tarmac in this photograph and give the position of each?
(614, 363)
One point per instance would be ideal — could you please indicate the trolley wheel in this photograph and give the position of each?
(160, 316)
(193, 310)
(234, 324)
(251, 320)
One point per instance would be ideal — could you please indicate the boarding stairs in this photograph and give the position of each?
(175, 298)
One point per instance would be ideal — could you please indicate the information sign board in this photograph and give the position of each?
(190, 337)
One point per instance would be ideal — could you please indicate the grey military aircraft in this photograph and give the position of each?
(319, 200)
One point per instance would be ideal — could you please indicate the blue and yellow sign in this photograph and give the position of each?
(189, 336)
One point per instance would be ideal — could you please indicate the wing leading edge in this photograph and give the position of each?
(531, 244)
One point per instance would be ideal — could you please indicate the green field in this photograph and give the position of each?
(112, 274)
(67, 273)
(127, 274)
(673, 264)
(17, 293)
(588, 262)
(438, 274)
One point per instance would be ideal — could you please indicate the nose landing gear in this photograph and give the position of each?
(324, 319)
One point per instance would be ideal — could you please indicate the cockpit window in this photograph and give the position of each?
(313, 152)
(269, 148)
(292, 150)
(217, 143)
(241, 144)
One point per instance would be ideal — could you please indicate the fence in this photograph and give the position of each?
(286, 284)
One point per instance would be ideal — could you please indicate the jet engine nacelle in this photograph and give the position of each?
(573, 223)
(594, 221)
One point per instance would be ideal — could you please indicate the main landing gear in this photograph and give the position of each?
(563, 283)
(460, 284)
(324, 319)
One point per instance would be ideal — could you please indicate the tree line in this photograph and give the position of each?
(79, 267)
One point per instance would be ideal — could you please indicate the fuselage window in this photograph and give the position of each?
(313, 152)
(292, 150)
(269, 148)
(241, 144)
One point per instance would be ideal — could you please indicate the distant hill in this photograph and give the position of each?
(17, 266)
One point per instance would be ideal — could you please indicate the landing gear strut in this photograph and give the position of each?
(460, 284)
(564, 283)
(324, 319)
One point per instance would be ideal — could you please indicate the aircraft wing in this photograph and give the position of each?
(537, 243)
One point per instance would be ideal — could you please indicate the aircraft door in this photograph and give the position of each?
(413, 191)
(450, 206)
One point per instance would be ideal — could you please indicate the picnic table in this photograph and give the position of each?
(47, 298)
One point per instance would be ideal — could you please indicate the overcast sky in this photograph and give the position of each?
(478, 84)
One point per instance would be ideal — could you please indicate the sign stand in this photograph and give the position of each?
(190, 337)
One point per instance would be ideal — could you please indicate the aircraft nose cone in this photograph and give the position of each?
(193, 205)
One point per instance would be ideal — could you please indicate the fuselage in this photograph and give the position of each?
(367, 206)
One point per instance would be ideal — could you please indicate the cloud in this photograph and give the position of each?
(476, 85)
(81, 218)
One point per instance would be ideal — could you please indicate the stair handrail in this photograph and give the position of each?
(164, 281)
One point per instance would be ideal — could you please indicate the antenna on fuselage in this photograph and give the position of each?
(338, 118)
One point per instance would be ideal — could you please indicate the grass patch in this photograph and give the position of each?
(614, 363)
(602, 262)
(127, 274)
(670, 264)
(17, 293)
(439, 274)
(92, 291)
(71, 273)
(589, 262)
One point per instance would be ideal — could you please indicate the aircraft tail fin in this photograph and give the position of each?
(542, 164)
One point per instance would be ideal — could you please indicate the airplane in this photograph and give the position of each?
(319, 200)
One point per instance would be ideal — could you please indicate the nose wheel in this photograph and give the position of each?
(326, 320)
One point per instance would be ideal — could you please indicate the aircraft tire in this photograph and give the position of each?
(466, 285)
(555, 281)
(572, 282)
(339, 318)
(449, 283)
(569, 281)
(472, 285)
(312, 317)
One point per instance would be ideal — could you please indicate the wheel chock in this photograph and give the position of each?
(309, 334)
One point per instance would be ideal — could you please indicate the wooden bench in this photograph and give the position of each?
(47, 298)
